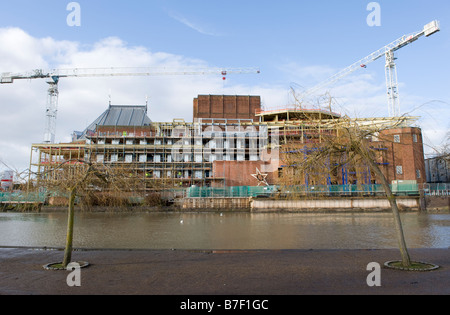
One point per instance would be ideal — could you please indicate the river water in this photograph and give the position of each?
(227, 231)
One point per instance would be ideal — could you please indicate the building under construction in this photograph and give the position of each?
(230, 142)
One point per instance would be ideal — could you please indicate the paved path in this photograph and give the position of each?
(159, 272)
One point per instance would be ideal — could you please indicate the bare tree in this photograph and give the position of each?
(331, 144)
(70, 177)
(99, 184)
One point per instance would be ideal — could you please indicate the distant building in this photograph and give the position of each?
(438, 169)
(6, 180)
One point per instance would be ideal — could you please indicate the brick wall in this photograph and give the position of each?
(226, 106)
(405, 150)
(239, 173)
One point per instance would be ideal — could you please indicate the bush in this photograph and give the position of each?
(154, 200)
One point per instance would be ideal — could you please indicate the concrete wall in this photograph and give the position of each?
(220, 204)
(367, 204)
(267, 205)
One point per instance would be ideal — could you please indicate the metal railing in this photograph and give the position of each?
(20, 197)
(438, 189)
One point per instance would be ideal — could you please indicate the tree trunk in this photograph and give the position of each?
(70, 220)
(393, 202)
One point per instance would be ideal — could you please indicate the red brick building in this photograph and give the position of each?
(404, 158)
(229, 140)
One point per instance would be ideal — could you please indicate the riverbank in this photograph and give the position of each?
(189, 272)
(174, 209)
(431, 204)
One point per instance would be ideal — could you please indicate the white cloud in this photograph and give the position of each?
(82, 100)
(357, 95)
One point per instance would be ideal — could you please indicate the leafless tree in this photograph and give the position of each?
(332, 144)
(96, 184)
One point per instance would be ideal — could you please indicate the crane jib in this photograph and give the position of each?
(55, 74)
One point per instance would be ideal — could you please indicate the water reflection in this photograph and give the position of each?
(227, 231)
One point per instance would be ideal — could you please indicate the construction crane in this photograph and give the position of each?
(55, 75)
(391, 69)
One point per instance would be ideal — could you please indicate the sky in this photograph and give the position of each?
(295, 44)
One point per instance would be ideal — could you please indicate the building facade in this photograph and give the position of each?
(438, 169)
(230, 140)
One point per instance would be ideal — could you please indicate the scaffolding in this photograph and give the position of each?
(164, 155)
(179, 154)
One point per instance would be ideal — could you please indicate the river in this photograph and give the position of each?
(227, 231)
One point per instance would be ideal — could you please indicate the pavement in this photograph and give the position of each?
(213, 273)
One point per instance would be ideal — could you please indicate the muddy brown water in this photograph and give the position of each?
(225, 231)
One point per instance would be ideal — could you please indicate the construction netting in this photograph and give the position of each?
(398, 188)
(231, 192)
(20, 197)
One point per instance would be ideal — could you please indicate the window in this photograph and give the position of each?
(414, 138)
(418, 175)
(198, 158)
(399, 170)
(397, 138)
(143, 158)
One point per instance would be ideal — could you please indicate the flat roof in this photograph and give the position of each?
(296, 111)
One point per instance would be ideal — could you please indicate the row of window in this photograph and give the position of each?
(179, 174)
(399, 171)
(212, 144)
(197, 158)
(397, 138)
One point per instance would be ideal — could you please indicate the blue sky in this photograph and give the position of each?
(294, 43)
